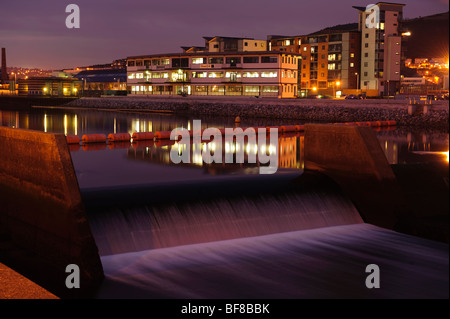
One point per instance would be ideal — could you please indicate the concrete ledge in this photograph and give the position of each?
(15, 286)
(43, 224)
(352, 157)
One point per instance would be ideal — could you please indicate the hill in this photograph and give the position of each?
(430, 36)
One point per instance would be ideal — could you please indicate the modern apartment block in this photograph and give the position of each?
(248, 73)
(381, 47)
(330, 60)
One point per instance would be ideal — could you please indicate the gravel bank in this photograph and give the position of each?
(303, 110)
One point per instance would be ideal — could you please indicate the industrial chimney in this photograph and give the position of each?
(4, 79)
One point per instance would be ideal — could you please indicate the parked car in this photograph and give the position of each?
(352, 97)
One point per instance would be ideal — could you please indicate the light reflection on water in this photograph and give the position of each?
(125, 163)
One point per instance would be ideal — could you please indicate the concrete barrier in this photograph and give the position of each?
(43, 225)
(352, 156)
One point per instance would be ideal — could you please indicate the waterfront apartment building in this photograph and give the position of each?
(330, 60)
(381, 47)
(251, 73)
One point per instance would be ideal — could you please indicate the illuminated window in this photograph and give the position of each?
(165, 61)
(198, 60)
(251, 74)
(252, 89)
(272, 74)
(156, 75)
(215, 74)
(270, 89)
(352, 55)
(197, 75)
(352, 65)
(131, 76)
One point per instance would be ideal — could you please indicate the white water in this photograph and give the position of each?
(327, 262)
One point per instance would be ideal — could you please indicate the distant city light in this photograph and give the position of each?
(406, 34)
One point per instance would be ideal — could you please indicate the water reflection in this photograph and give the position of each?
(134, 159)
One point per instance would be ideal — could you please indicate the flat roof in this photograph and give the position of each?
(181, 55)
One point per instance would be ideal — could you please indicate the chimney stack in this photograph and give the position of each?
(4, 71)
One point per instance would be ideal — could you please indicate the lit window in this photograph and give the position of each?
(197, 60)
(272, 74)
(352, 55)
(251, 74)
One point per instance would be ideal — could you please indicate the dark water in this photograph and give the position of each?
(102, 165)
(223, 230)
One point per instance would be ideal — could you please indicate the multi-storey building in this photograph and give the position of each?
(381, 49)
(215, 73)
(329, 60)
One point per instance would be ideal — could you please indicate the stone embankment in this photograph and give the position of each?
(435, 115)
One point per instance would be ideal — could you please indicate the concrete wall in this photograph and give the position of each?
(353, 157)
(43, 225)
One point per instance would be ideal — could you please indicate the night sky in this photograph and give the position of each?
(35, 34)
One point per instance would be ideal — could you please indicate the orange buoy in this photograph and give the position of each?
(93, 138)
(119, 137)
(163, 135)
(143, 136)
(73, 139)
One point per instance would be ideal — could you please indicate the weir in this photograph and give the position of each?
(289, 235)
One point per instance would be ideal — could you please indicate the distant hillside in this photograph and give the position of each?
(338, 28)
(429, 37)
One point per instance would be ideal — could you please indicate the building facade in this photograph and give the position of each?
(381, 47)
(262, 74)
(330, 61)
(50, 86)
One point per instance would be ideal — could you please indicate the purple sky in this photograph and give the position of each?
(35, 35)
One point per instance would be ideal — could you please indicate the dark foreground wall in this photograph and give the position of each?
(43, 226)
(352, 156)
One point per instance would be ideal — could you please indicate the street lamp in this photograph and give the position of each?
(357, 82)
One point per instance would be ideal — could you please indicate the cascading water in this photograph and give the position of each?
(286, 237)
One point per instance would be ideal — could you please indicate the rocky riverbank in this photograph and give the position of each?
(330, 111)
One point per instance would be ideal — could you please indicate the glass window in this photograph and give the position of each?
(271, 74)
(139, 63)
(215, 60)
(270, 89)
(251, 74)
(215, 74)
(198, 60)
(251, 59)
(269, 59)
(165, 61)
(156, 62)
(197, 75)
(251, 88)
(131, 63)
(233, 60)
(156, 75)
